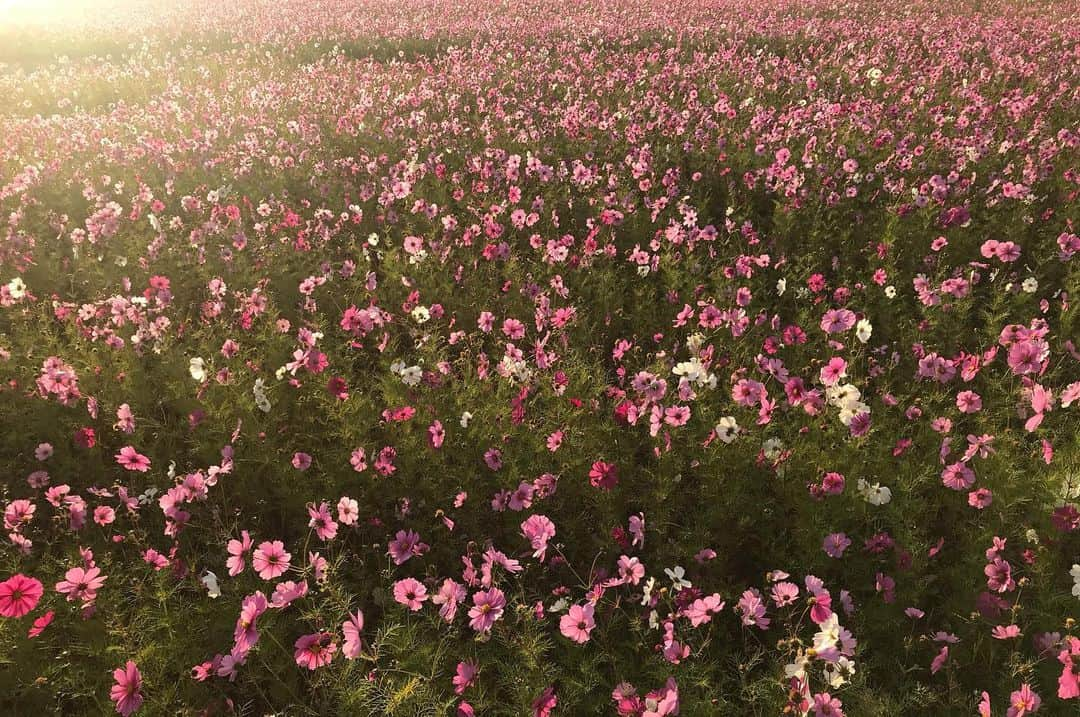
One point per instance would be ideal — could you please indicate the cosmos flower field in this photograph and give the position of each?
(694, 357)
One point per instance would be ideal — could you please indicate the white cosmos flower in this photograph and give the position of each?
(875, 494)
(197, 369)
(677, 575)
(16, 288)
(211, 582)
(727, 429)
(411, 376)
(863, 329)
(837, 673)
(649, 585)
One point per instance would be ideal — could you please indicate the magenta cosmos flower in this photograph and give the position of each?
(19, 595)
(131, 459)
(126, 692)
(604, 476)
(270, 559)
(80, 584)
(578, 622)
(487, 608)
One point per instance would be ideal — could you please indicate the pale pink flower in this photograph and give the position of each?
(578, 622)
(352, 628)
(411, 593)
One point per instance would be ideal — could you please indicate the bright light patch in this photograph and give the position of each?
(43, 12)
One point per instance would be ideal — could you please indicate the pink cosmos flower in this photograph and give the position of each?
(784, 593)
(939, 661)
(18, 514)
(80, 584)
(1023, 701)
(835, 544)
(405, 545)
(604, 476)
(1069, 681)
(270, 559)
(999, 576)
(701, 610)
(40, 624)
(245, 634)
(19, 594)
(450, 595)
(301, 461)
(464, 677)
(132, 460)
(286, 592)
(538, 529)
(825, 705)
(126, 692)
(487, 609)
(237, 549)
(543, 705)
(578, 622)
(662, 702)
(837, 320)
(320, 520)
(832, 372)
(104, 515)
(820, 600)
(1005, 632)
(352, 628)
(636, 526)
(957, 476)
(968, 402)
(348, 511)
(980, 498)
(752, 609)
(410, 592)
(1027, 356)
(314, 650)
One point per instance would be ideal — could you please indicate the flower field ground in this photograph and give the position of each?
(454, 357)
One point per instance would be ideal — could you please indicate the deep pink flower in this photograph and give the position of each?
(604, 476)
(19, 594)
(40, 624)
(126, 692)
(1069, 681)
(1023, 702)
(320, 520)
(315, 650)
(487, 609)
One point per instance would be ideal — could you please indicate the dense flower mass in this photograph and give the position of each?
(542, 358)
